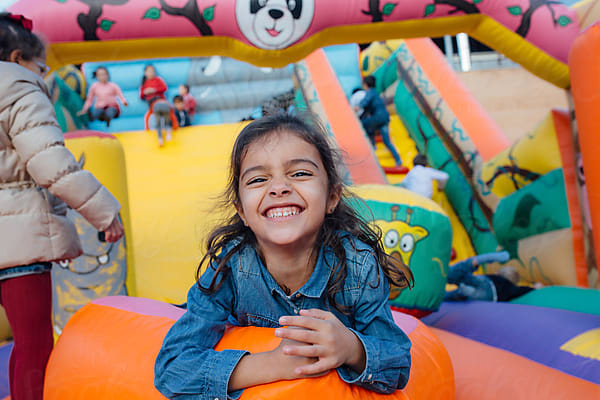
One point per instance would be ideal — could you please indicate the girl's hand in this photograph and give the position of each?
(287, 364)
(126, 104)
(329, 341)
(149, 90)
(81, 112)
(114, 231)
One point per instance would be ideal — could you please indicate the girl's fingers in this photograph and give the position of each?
(316, 313)
(299, 335)
(319, 367)
(301, 321)
(313, 351)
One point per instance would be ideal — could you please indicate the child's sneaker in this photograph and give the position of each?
(169, 136)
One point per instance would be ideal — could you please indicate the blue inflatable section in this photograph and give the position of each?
(128, 75)
(226, 90)
(344, 61)
(545, 335)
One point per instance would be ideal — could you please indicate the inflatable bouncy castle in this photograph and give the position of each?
(539, 207)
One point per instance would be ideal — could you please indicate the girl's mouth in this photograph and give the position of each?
(278, 212)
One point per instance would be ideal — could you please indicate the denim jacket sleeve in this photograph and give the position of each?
(187, 367)
(366, 101)
(386, 346)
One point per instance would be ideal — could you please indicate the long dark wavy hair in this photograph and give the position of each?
(343, 218)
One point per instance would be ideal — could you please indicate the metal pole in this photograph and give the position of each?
(464, 51)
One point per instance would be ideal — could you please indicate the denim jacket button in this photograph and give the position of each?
(370, 376)
(298, 295)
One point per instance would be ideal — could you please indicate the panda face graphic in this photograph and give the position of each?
(274, 24)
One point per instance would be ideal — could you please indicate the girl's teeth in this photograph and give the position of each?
(282, 213)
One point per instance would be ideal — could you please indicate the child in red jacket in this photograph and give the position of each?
(153, 91)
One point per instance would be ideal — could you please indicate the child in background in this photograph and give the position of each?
(105, 93)
(189, 103)
(420, 178)
(294, 254)
(182, 115)
(358, 95)
(153, 86)
(375, 117)
(502, 286)
(153, 91)
(37, 174)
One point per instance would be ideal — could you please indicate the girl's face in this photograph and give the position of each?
(102, 75)
(283, 191)
(37, 65)
(182, 90)
(150, 72)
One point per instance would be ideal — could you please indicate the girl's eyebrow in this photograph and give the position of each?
(302, 160)
(251, 169)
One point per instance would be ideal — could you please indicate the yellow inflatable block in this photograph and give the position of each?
(531, 156)
(174, 191)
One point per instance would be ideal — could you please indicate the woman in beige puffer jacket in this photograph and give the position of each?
(37, 173)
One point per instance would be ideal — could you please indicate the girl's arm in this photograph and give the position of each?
(187, 367)
(386, 346)
(143, 88)
(39, 142)
(162, 86)
(120, 94)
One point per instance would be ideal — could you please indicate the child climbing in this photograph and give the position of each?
(153, 91)
(295, 256)
(375, 117)
(421, 177)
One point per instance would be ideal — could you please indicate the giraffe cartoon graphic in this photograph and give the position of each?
(400, 238)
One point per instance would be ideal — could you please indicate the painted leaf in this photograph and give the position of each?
(429, 9)
(515, 10)
(62, 1)
(477, 1)
(106, 24)
(388, 8)
(563, 20)
(209, 13)
(152, 13)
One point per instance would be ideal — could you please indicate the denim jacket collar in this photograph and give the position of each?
(250, 263)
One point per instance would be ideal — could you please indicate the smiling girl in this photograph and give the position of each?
(294, 254)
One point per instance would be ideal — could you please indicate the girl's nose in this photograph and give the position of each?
(279, 187)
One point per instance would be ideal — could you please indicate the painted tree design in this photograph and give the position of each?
(470, 7)
(459, 6)
(534, 5)
(377, 12)
(190, 11)
(91, 21)
(513, 172)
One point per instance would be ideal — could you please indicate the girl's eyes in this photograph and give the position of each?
(296, 174)
(256, 180)
(301, 173)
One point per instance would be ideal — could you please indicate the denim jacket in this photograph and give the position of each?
(373, 105)
(187, 367)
